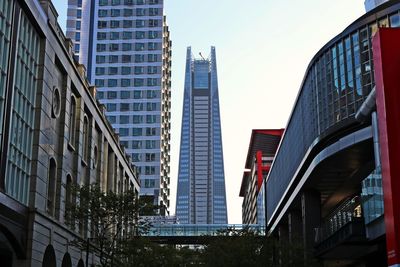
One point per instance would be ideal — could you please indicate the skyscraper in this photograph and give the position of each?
(201, 197)
(126, 47)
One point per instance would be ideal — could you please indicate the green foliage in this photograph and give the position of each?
(108, 218)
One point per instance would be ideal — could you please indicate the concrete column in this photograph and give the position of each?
(311, 218)
(295, 226)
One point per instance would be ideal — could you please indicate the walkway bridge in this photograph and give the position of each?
(194, 234)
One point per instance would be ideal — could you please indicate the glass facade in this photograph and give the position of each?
(6, 8)
(130, 65)
(23, 110)
(338, 80)
(201, 197)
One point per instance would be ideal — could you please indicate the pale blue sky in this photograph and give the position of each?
(263, 49)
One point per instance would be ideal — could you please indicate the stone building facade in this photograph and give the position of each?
(53, 134)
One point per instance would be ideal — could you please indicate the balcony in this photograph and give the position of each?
(342, 233)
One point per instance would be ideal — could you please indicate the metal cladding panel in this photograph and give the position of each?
(386, 44)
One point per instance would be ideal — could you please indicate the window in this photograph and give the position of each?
(125, 82)
(123, 131)
(100, 59)
(140, 35)
(151, 94)
(137, 131)
(78, 25)
(139, 46)
(114, 35)
(152, 57)
(127, 24)
(150, 131)
(103, 2)
(100, 71)
(153, 11)
(126, 47)
(115, 2)
(112, 70)
(51, 187)
(128, 12)
(137, 94)
(101, 36)
(136, 144)
(79, 14)
(137, 106)
(136, 157)
(113, 59)
(99, 95)
(139, 70)
(153, 34)
(99, 82)
(128, 2)
(68, 198)
(149, 170)
(137, 119)
(113, 47)
(395, 21)
(77, 36)
(150, 157)
(102, 13)
(123, 119)
(101, 47)
(140, 23)
(101, 24)
(140, 12)
(112, 83)
(114, 24)
(138, 82)
(151, 118)
(115, 13)
(140, 2)
(127, 35)
(111, 95)
(111, 107)
(153, 2)
(139, 58)
(124, 106)
(153, 23)
(125, 70)
(85, 143)
(152, 46)
(112, 119)
(77, 48)
(126, 58)
(72, 122)
(151, 106)
(125, 94)
(150, 144)
(151, 81)
(151, 69)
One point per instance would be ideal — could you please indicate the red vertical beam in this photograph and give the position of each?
(386, 48)
(259, 170)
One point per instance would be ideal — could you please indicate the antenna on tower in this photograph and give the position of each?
(201, 56)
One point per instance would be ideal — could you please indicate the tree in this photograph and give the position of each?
(106, 220)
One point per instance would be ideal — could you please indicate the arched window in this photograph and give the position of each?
(85, 144)
(49, 257)
(68, 199)
(51, 186)
(72, 122)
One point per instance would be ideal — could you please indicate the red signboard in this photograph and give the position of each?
(386, 48)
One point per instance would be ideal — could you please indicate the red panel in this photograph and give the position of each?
(260, 169)
(386, 48)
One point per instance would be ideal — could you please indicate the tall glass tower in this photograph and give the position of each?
(201, 197)
(126, 48)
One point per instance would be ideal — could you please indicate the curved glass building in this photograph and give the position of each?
(325, 184)
(201, 197)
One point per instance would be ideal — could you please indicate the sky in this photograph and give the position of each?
(263, 48)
